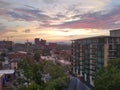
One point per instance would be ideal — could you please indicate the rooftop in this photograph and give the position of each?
(94, 37)
(1, 74)
(114, 30)
(22, 52)
(10, 71)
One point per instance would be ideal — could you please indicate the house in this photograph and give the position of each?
(9, 74)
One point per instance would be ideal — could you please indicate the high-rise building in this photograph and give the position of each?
(115, 33)
(90, 54)
(42, 42)
(36, 41)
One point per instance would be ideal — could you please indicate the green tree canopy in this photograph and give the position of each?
(58, 79)
(37, 56)
(3, 54)
(34, 72)
(54, 70)
(108, 78)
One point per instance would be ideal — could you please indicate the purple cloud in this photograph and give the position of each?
(3, 4)
(49, 1)
(27, 31)
(95, 20)
(28, 14)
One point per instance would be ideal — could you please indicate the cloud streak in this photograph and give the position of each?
(96, 20)
(28, 14)
(27, 31)
(50, 1)
(5, 29)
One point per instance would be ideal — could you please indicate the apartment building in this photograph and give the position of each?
(115, 33)
(90, 54)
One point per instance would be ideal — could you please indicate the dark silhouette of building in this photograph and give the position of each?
(36, 41)
(52, 45)
(42, 42)
(6, 45)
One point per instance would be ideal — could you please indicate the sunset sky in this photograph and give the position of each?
(57, 20)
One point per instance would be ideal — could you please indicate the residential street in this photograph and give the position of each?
(76, 84)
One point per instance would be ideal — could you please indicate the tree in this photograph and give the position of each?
(58, 79)
(3, 54)
(0, 65)
(26, 66)
(2, 59)
(37, 56)
(33, 86)
(57, 84)
(37, 74)
(53, 69)
(108, 78)
(34, 72)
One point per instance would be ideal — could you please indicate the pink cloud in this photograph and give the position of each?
(93, 21)
(3, 12)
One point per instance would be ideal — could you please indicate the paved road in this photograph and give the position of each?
(76, 84)
(72, 85)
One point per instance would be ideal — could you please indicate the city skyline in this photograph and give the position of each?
(57, 20)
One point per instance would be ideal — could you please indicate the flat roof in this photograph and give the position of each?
(1, 74)
(115, 30)
(22, 52)
(10, 71)
(64, 62)
(95, 37)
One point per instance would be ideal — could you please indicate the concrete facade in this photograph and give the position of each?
(115, 33)
(90, 54)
